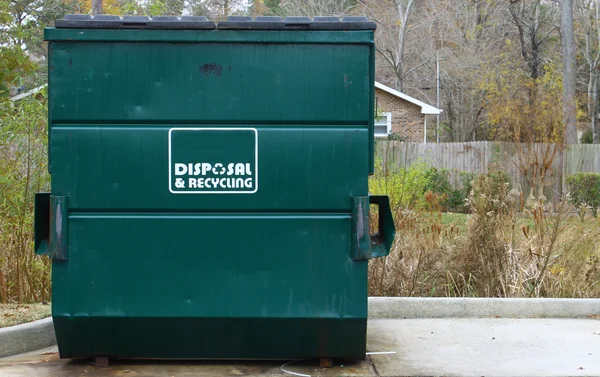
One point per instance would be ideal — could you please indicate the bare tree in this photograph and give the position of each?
(472, 33)
(317, 7)
(588, 17)
(393, 19)
(218, 9)
(569, 71)
(534, 22)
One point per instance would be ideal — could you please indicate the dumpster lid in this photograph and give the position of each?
(297, 23)
(102, 21)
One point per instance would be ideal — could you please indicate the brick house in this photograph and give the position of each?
(401, 114)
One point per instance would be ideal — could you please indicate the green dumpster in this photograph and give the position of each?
(209, 193)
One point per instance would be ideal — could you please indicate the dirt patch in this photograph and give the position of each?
(14, 314)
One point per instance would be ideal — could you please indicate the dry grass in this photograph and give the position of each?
(13, 314)
(509, 247)
(418, 261)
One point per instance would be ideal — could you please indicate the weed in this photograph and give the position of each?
(510, 246)
(24, 277)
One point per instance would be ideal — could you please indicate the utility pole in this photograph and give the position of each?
(437, 78)
(569, 71)
(595, 104)
(437, 84)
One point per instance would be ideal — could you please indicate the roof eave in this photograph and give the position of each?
(430, 110)
(426, 109)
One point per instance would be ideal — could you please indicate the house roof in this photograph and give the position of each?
(28, 93)
(425, 108)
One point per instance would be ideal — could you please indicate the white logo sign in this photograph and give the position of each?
(213, 160)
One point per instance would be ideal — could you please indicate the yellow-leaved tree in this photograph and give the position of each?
(528, 112)
(85, 6)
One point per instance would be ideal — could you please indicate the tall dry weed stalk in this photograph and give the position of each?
(563, 251)
(484, 258)
(529, 250)
(418, 261)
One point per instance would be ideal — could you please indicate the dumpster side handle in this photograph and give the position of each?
(51, 220)
(367, 246)
(382, 242)
(41, 223)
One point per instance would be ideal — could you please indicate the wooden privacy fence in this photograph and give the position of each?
(518, 160)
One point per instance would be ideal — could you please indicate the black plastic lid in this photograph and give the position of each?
(102, 21)
(85, 21)
(297, 23)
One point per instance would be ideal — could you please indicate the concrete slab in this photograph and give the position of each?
(463, 307)
(486, 347)
(425, 347)
(45, 363)
(26, 337)
(39, 334)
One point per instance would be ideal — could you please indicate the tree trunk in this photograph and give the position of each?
(96, 6)
(569, 72)
(400, 76)
(595, 108)
(590, 100)
(535, 45)
(404, 15)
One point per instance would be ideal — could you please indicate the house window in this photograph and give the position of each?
(383, 125)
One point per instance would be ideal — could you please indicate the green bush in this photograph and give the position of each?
(587, 137)
(459, 195)
(455, 196)
(407, 188)
(585, 190)
(438, 182)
